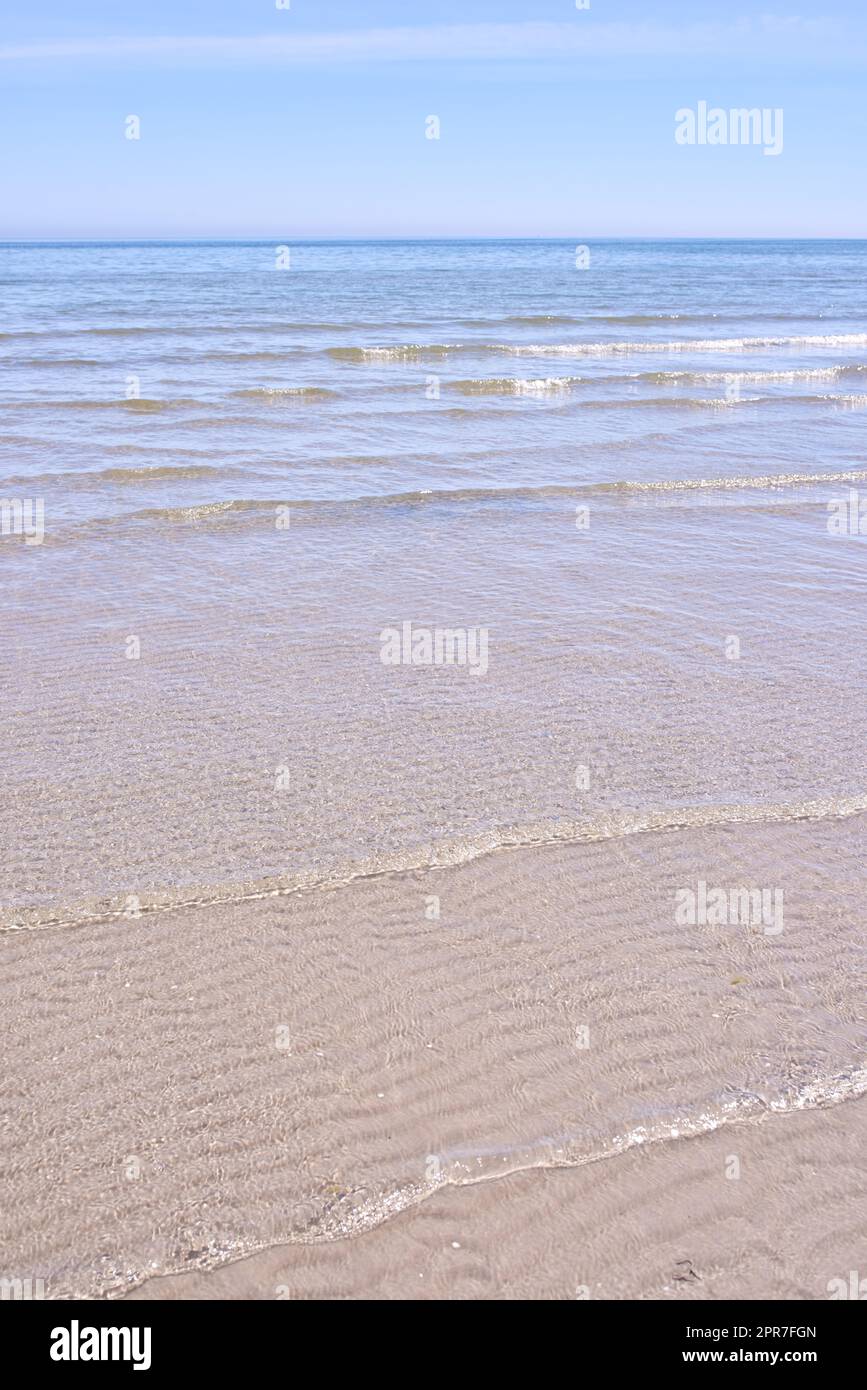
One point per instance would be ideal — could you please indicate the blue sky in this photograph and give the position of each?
(310, 121)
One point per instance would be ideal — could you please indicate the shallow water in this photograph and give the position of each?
(386, 433)
(249, 475)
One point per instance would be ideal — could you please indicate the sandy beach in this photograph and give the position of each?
(500, 1078)
(435, 770)
(653, 1224)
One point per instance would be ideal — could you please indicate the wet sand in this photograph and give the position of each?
(660, 1223)
(526, 1054)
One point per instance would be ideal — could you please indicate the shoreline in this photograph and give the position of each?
(195, 1087)
(535, 1235)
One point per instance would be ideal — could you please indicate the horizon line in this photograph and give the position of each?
(251, 240)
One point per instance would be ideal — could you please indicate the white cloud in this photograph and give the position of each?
(767, 38)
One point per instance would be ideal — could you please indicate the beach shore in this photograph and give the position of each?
(435, 767)
(659, 1223)
(510, 1076)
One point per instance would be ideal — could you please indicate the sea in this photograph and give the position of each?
(433, 721)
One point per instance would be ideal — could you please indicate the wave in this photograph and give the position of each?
(480, 386)
(188, 329)
(514, 386)
(260, 355)
(53, 362)
(140, 405)
(561, 386)
(276, 394)
(480, 494)
(97, 477)
(153, 473)
(531, 319)
(205, 511)
(112, 331)
(661, 317)
(412, 352)
(765, 480)
(320, 1223)
(215, 513)
(753, 377)
(118, 330)
(536, 388)
(142, 330)
(684, 345)
(425, 496)
(610, 825)
(405, 352)
(574, 1151)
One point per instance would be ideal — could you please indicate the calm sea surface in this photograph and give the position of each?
(252, 460)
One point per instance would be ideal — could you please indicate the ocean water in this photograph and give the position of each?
(314, 934)
(250, 461)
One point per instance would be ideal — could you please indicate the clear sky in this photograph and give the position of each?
(311, 120)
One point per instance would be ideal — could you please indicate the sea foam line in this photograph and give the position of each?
(437, 855)
(409, 352)
(326, 506)
(819, 1093)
